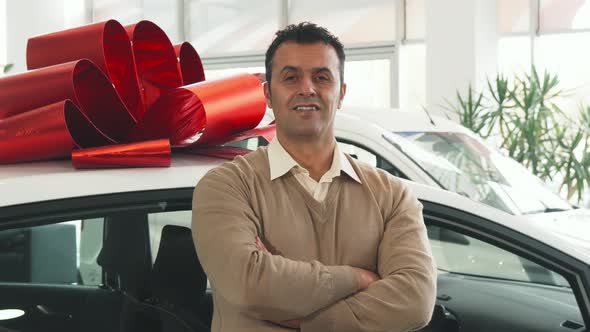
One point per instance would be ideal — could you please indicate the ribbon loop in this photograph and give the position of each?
(103, 84)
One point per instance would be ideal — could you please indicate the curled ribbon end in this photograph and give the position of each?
(155, 153)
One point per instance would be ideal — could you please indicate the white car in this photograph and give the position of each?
(111, 250)
(438, 152)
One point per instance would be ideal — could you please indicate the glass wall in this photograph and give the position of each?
(372, 21)
(559, 43)
(2, 34)
(227, 27)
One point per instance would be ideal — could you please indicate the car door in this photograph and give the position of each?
(79, 264)
(40, 280)
(493, 278)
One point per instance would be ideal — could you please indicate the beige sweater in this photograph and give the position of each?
(376, 225)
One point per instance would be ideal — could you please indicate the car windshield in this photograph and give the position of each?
(465, 165)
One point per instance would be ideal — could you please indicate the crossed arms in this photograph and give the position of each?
(313, 296)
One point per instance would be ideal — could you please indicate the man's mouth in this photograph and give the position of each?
(306, 108)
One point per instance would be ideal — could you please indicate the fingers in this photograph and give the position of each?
(260, 245)
(364, 278)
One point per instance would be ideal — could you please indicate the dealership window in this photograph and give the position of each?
(414, 22)
(167, 17)
(368, 83)
(124, 11)
(563, 15)
(412, 56)
(514, 55)
(554, 35)
(373, 21)
(231, 26)
(213, 74)
(2, 33)
(412, 76)
(514, 16)
(76, 13)
(567, 56)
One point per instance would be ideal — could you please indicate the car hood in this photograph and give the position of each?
(571, 225)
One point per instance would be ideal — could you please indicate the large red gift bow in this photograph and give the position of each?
(95, 87)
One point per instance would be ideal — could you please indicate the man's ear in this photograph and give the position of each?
(342, 94)
(266, 87)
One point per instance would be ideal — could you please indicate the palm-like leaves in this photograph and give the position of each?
(471, 111)
(6, 68)
(531, 127)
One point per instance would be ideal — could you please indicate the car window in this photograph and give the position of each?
(453, 252)
(63, 253)
(250, 143)
(461, 254)
(157, 221)
(366, 156)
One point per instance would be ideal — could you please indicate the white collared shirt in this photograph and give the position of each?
(281, 163)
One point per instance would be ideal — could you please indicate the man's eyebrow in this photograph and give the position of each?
(322, 69)
(289, 68)
(315, 70)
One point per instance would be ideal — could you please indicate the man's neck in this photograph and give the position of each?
(315, 156)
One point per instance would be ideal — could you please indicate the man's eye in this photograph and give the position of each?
(289, 78)
(323, 78)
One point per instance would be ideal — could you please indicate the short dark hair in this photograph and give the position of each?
(304, 33)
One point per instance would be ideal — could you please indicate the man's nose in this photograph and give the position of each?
(307, 87)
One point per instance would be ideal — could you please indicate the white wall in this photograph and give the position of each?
(28, 18)
(2, 33)
(461, 48)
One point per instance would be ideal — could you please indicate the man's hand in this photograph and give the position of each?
(364, 278)
(261, 245)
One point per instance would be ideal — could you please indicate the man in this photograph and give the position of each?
(348, 249)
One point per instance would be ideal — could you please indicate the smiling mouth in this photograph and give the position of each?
(306, 108)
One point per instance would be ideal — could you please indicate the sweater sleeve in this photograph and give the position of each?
(404, 298)
(262, 285)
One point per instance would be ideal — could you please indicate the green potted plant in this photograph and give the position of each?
(523, 116)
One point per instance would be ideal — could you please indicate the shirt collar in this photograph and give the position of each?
(279, 159)
(345, 165)
(281, 162)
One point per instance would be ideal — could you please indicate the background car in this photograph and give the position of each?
(111, 250)
(438, 152)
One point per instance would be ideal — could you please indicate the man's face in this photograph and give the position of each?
(305, 90)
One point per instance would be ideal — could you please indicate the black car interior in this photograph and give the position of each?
(26, 254)
(179, 284)
(172, 295)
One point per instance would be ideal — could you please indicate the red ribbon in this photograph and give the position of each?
(120, 97)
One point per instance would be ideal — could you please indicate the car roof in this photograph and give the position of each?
(398, 120)
(49, 180)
